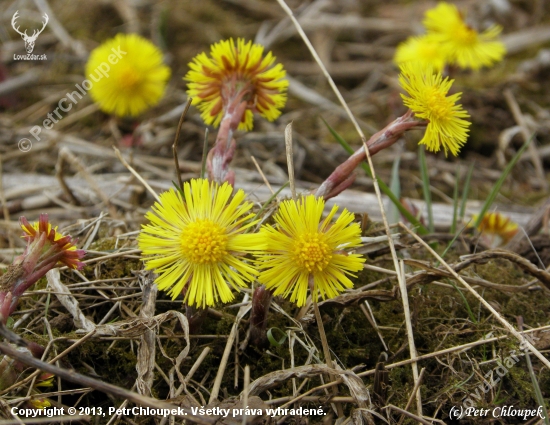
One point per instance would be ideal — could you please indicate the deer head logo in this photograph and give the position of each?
(29, 40)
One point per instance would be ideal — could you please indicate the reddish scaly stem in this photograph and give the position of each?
(261, 300)
(342, 177)
(222, 153)
(43, 252)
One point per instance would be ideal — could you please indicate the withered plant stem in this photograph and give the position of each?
(324, 341)
(177, 138)
(290, 159)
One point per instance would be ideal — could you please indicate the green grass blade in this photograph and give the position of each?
(466, 191)
(426, 186)
(496, 188)
(395, 187)
(450, 244)
(383, 187)
(466, 304)
(455, 201)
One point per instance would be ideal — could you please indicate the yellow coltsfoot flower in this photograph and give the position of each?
(301, 246)
(462, 44)
(235, 72)
(127, 75)
(425, 49)
(44, 239)
(496, 229)
(195, 242)
(447, 127)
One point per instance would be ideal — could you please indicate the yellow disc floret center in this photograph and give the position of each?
(438, 104)
(129, 78)
(203, 242)
(465, 35)
(311, 252)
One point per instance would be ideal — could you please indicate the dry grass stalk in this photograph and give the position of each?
(413, 394)
(532, 148)
(136, 174)
(410, 333)
(67, 155)
(69, 301)
(145, 363)
(177, 138)
(246, 384)
(262, 174)
(290, 159)
(223, 363)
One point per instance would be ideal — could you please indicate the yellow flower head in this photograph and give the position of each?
(39, 403)
(127, 74)
(303, 246)
(234, 70)
(55, 246)
(462, 44)
(496, 229)
(195, 241)
(425, 49)
(428, 100)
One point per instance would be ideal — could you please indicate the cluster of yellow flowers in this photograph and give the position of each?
(200, 242)
(199, 238)
(239, 72)
(450, 40)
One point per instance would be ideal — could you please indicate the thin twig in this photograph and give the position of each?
(176, 140)
(223, 362)
(136, 174)
(370, 317)
(245, 391)
(520, 120)
(410, 333)
(262, 174)
(290, 159)
(324, 341)
(56, 358)
(413, 394)
(193, 369)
